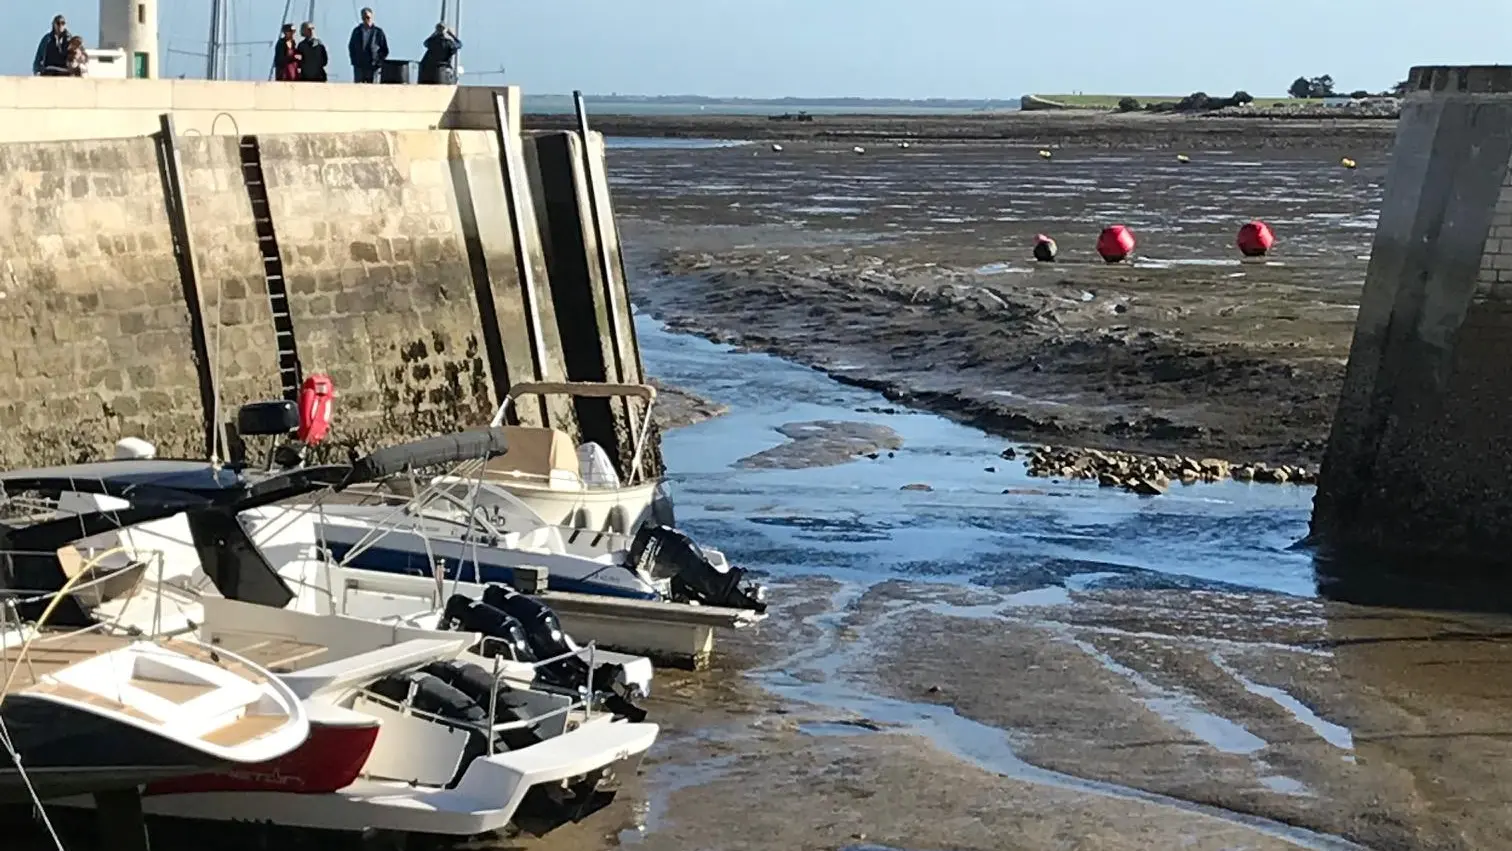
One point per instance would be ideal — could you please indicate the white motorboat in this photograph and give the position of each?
(83, 711)
(472, 530)
(578, 487)
(412, 733)
(362, 768)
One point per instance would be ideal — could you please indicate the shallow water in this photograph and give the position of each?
(1032, 547)
(853, 522)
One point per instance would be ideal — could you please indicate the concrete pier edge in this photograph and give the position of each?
(1420, 453)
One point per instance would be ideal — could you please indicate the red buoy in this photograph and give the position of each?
(1044, 249)
(315, 408)
(1255, 239)
(1115, 243)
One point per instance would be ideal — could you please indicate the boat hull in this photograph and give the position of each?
(407, 553)
(330, 759)
(494, 791)
(70, 751)
(621, 510)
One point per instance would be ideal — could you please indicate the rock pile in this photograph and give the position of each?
(1149, 474)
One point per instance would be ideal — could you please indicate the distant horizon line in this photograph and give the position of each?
(834, 99)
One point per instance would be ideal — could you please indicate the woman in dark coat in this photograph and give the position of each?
(286, 55)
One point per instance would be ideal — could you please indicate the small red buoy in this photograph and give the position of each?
(1044, 249)
(1255, 239)
(1115, 243)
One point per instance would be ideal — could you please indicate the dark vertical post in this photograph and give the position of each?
(171, 167)
(122, 825)
(510, 156)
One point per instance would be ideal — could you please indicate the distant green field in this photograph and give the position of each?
(1111, 101)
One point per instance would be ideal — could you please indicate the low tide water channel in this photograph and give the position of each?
(1170, 660)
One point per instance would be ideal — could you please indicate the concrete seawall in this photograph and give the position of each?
(1420, 455)
(43, 109)
(399, 260)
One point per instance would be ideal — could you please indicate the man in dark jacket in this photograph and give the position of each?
(367, 48)
(312, 55)
(52, 54)
(436, 66)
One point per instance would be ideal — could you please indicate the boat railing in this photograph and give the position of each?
(13, 626)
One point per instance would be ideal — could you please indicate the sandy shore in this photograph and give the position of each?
(1079, 128)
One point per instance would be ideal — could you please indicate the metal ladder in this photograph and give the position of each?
(273, 271)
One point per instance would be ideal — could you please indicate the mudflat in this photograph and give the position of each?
(1085, 128)
(909, 270)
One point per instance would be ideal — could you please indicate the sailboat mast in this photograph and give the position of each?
(211, 58)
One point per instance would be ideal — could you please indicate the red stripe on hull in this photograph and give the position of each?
(330, 759)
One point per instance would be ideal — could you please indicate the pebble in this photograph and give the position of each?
(916, 487)
(1150, 474)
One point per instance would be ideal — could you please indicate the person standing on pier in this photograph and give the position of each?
(368, 48)
(78, 58)
(286, 56)
(312, 55)
(437, 66)
(52, 53)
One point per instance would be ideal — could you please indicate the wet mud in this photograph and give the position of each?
(1077, 129)
(908, 271)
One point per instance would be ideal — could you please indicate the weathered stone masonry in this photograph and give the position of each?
(399, 261)
(1420, 457)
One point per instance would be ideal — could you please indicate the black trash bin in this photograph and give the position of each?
(395, 71)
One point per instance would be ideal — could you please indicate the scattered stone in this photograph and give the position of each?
(873, 455)
(990, 469)
(1008, 454)
(934, 689)
(1146, 473)
(917, 487)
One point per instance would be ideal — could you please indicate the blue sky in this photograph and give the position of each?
(874, 48)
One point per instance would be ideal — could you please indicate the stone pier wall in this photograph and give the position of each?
(1420, 456)
(400, 261)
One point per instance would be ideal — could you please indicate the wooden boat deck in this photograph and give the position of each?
(276, 653)
(50, 654)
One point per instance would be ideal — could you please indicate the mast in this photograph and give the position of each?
(212, 58)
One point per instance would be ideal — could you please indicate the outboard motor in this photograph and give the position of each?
(547, 640)
(660, 551)
(463, 614)
(481, 687)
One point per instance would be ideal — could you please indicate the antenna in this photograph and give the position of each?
(214, 42)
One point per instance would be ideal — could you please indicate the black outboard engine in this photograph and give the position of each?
(547, 640)
(661, 551)
(463, 614)
(480, 686)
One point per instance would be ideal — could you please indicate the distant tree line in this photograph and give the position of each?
(1323, 87)
(1194, 102)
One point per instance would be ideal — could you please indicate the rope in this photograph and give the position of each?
(47, 613)
(5, 736)
(31, 790)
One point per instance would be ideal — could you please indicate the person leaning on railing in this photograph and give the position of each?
(436, 66)
(52, 53)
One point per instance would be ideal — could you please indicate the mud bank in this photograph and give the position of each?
(1072, 129)
(908, 272)
(677, 407)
